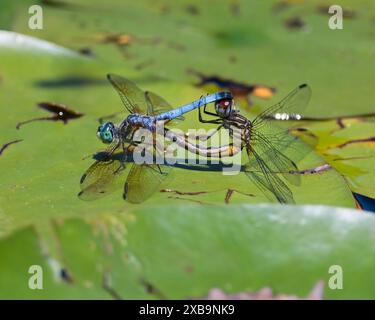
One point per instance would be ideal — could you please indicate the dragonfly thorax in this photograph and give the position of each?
(133, 118)
(143, 121)
(239, 126)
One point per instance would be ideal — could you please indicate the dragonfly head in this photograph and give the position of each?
(106, 132)
(224, 107)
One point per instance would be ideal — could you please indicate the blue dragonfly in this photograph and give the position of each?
(271, 149)
(144, 110)
(143, 113)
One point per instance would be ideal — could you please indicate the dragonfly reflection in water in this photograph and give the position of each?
(145, 110)
(271, 149)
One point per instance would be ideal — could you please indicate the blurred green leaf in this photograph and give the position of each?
(184, 251)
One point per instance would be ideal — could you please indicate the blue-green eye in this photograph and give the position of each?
(106, 132)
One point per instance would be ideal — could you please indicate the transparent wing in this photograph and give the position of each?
(275, 145)
(266, 180)
(158, 105)
(114, 117)
(137, 101)
(273, 150)
(143, 180)
(293, 104)
(281, 155)
(132, 97)
(101, 178)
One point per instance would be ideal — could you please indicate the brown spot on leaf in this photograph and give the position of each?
(60, 113)
(294, 23)
(230, 192)
(186, 199)
(192, 9)
(238, 89)
(151, 289)
(86, 51)
(183, 193)
(370, 140)
(107, 286)
(119, 39)
(124, 40)
(235, 8)
(6, 145)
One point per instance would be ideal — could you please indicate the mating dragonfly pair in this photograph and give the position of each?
(271, 150)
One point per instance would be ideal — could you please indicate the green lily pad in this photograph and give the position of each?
(184, 251)
(46, 181)
(164, 242)
(350, 150)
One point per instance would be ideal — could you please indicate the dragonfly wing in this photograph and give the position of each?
(102, 176)
(158, 105)
(116, 117)
(275, 145)
(132, 97)
(280, 154)
(143, 180)
(274, 150)
(293, 104)
(100, 179)
(267, 181)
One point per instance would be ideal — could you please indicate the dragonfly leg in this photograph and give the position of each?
(124, 154)
(110, 152)
(123, 158)
(160, 171)
(215, 121)
(208, 112)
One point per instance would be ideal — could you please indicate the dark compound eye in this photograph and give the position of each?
(223, 107)
(225, 103)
